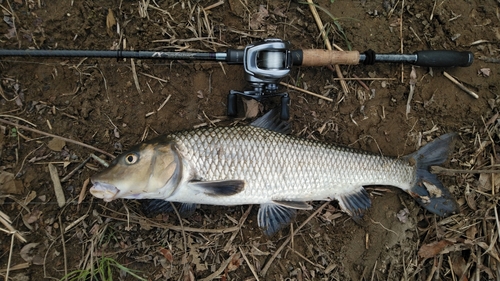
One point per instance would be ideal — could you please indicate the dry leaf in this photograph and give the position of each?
(279, 11)
(8, 184)
(486, 183)
(56, 144)
(471, 232)
(459, 266)
(26, 251)
(188, 274)
(167, 254)
(484, 72)
(30, 197)
(432, 249)
(110, 22)
(470, 198)
(402, 215)
(235, 262)
(258, 18)
(32, 217)
(252, 108)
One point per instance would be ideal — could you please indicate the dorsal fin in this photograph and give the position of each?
(272, 121)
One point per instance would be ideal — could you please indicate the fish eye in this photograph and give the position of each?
(131, 158)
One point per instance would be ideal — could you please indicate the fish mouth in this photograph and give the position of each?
(104, 191)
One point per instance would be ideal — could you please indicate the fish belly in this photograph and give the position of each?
(281, 167)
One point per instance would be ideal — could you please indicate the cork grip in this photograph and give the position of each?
(317, 57)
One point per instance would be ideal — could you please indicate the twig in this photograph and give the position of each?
(83, 192)
(169, 226)
(321, 28)
(154, 77)
(306, 259)
(71, 225)
(213, 5)
(4, 219)
(271, 260)
(61, 200)
(306, 91)
(64, 248)
(165, 102)
(361, 82)
(413, 82)
(18, 118)
(26, 157)
(10, 257)
(416, 35)
(373, 271)
(99, 160)
(134, 74)
(432, 12)
(365, 78)
(182, 226)
(240, 224)
(220, 270)
(14, 24)
(379, 223)
(252, 269)
(456, 82)
(70, 174)
(433, 270)
(58, 137)
(16, 267)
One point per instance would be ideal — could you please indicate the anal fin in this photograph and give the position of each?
(158, 206)
(355, 204)
(272, 217)
(218, 188)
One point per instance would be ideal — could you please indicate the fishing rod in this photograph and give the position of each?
(266, 62)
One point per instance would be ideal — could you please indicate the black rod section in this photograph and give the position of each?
(431, 58)
(115, 54)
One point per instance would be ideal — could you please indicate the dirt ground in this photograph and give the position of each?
(99, 102)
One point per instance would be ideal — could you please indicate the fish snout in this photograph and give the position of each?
(104, 191)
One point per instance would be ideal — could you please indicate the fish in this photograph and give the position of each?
(263, 164)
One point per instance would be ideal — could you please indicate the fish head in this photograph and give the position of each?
(149, 170)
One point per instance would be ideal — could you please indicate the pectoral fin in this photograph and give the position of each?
(159, 206)
(272, 217)
(218, 188)
(272, 121)
(355, 204)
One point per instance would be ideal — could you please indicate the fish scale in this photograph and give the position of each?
(275, 166)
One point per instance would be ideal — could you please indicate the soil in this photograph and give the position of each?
(97, 101)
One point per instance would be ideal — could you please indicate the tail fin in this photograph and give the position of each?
(428, 190)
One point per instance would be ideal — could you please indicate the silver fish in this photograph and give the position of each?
(260, 164)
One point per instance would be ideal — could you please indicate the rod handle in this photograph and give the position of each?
(444, 58)
(318, 57)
